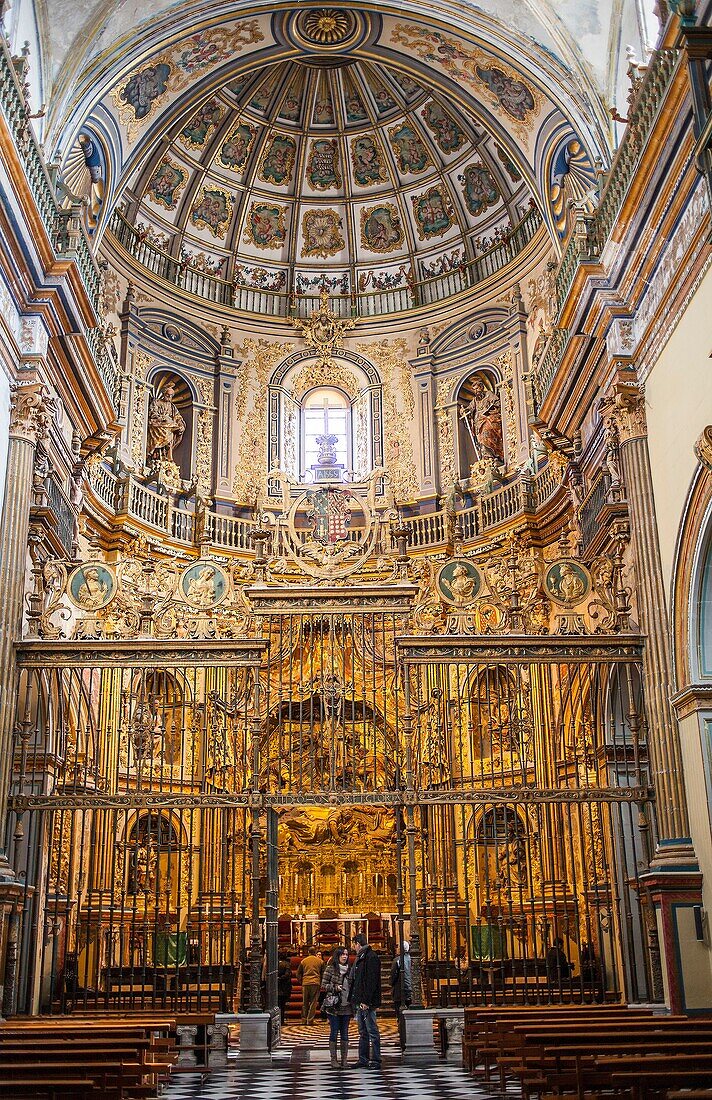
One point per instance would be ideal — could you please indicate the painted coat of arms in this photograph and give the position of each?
(381, 229)
(278, 161)
(330, 515)
(265, 226)
(433, 212)
(322, 233)
(212, 211)
(480, 189)
(411, 154)
(236, 149)
(367, 163)
(203, 123)
(166, 183)
(323, 164)
(447, 133)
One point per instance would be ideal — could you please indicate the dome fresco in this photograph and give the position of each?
(351, 176)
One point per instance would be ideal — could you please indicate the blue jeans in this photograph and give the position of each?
(368, 1036)
(339, 1025)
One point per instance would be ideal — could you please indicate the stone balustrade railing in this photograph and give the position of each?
(126, 496)
(254, 299)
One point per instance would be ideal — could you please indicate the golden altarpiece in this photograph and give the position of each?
(219, 754)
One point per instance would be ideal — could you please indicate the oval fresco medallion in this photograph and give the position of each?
(459, 581)
(91, 586)
(567, 582)
(204, 584)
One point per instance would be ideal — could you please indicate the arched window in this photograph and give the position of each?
(326, 429)
(704, 614)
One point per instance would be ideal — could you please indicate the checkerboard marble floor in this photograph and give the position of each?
(300, 1070)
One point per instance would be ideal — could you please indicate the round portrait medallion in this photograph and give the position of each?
(459, 582)
(91, 586)
(204, 584)
(567, 582)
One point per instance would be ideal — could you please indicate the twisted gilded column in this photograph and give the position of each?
(29, 422)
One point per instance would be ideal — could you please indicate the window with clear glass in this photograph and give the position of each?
(326, 413)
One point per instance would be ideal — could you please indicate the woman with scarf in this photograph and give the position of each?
(336, 986)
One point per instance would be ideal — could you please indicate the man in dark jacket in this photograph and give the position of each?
(366, 998)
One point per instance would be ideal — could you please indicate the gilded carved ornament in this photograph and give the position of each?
(259, 357)
(625, 406)
(30, 412)
(323, 330)
(391, 358)
(703, 448)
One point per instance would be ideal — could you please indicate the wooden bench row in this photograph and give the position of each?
(589, 1051)
(120, 1059)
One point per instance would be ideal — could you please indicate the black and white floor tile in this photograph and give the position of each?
(301, 1070)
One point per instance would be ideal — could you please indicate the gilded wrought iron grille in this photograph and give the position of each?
(531, 820)
(131, 823)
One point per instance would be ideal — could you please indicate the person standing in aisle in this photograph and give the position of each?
(366, 999)
(309, 974)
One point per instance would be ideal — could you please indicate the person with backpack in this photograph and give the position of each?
(336, 987)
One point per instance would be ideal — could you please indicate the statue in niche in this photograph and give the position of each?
(512, 858)
(483, 416)
(165, 425)
(146, 864)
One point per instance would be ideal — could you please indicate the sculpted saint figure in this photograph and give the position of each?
(165, 425)
(485, 419)
(201, 589)
(569, 586)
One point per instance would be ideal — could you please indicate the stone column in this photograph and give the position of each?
(29, 422)
(516, 368)
(673, 882)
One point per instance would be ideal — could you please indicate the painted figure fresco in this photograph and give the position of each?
(237, 86)
(323, 164)
(291, 108)
(236, 149)
(323, 109)
(384, 100)
(166, 183)
(196, 132)
(509, 166)
(265, 225)
(479, 188)
(143, 89)
(447, 133)
(513, 96)
(366, 160)
(278, 161)
(433, 213)
(411, 154)
(213, 211)
(355, 110)
(381, 229)
(322, 233)
(406, 84)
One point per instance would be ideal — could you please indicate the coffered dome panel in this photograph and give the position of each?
(347, 173)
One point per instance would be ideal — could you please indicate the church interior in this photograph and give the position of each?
(356, 529)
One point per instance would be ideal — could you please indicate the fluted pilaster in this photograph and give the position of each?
(29, 421)
(626, 408)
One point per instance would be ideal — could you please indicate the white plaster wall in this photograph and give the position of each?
(678, 395)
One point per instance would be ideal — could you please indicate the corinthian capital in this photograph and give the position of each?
(30, 413)
(624, 408)
(703, 447)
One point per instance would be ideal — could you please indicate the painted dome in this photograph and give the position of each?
(346, 174)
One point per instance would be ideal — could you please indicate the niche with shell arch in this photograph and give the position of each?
(184, 401)
(479, 419)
